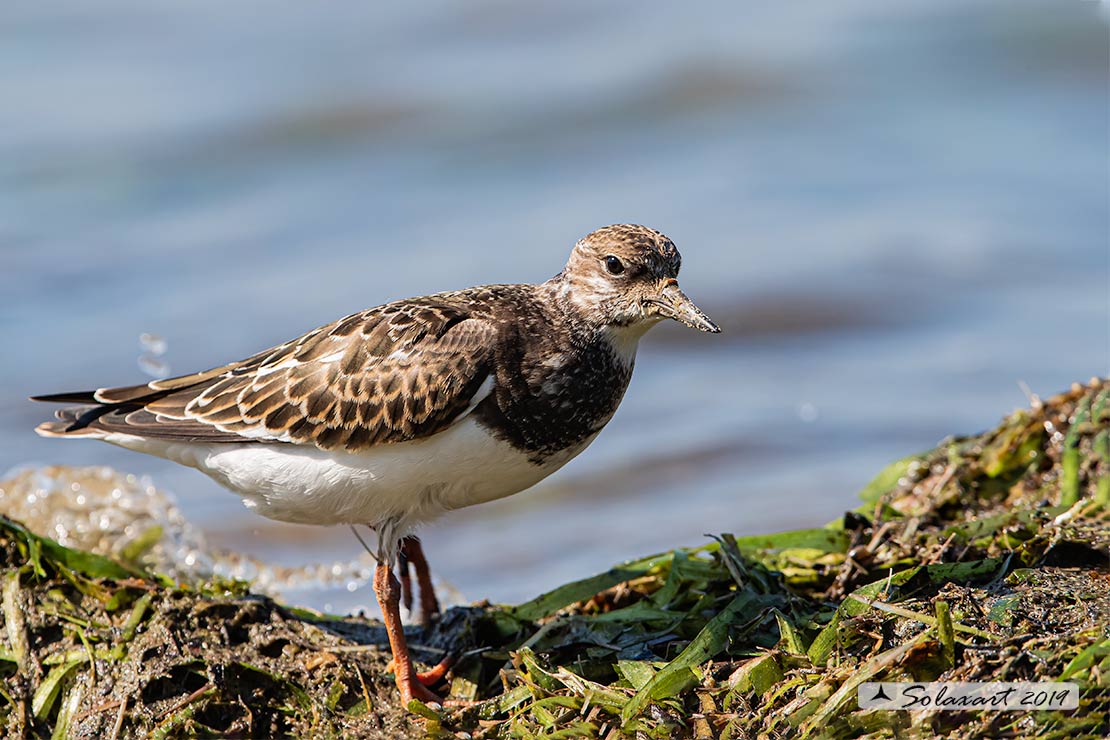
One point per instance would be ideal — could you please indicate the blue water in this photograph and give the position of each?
(896, 211)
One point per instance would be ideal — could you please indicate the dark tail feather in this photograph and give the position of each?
(75, 418)
(72, 397)
(70, 421)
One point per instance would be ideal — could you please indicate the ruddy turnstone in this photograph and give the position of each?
(394, 415)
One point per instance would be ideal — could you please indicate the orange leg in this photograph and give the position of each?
(388, 591)
(412, 552)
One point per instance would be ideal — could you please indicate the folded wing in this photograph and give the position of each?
(394, 373)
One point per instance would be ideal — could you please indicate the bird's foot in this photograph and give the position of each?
(429, 677)
(412, 688)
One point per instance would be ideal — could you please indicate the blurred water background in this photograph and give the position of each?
(896, 211)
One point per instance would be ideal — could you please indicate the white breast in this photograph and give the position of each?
(398, 484)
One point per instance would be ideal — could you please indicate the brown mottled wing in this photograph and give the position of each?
(398, 372)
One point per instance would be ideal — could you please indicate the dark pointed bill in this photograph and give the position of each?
(674, 304)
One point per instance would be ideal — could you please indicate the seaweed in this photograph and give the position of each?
(986, 558)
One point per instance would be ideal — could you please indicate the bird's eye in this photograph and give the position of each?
(614, 265)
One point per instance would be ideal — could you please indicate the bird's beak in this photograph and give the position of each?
(673, 304)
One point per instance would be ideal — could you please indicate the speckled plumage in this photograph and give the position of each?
(408, 369)
(394, 373)
(394, 415)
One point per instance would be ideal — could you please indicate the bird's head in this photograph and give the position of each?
(626, 277)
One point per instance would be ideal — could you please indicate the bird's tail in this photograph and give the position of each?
(72, 422)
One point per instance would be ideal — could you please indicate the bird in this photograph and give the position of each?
(394, 415)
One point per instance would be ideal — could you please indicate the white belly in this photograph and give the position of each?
(394, 485)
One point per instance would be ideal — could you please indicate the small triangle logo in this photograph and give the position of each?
(880, 694)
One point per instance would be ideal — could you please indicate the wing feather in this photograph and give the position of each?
(398, 372)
